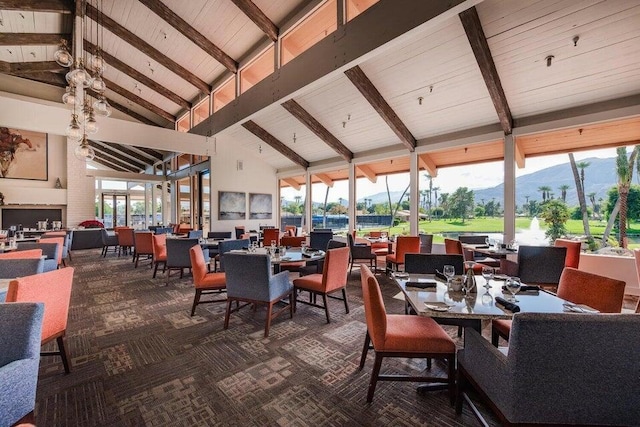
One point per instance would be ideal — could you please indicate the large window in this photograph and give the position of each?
(184, 200)
(224, 94)
(183, 124)
(356, 7)
(293, 202)
(257, 70)
(322, 22)
(201, 111)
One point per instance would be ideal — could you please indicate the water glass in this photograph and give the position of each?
(487, 274)
(449, 271)
(513, 286)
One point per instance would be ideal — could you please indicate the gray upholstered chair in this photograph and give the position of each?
(109, 239)
(565, 368)
(219, 235)
(540, 265)
(12, 268)
(195, 234)
(249, 280)
(20, 331)
(361, 252)
(230, 245)
(429, 263)
(50, 250)
(426, 243)
(320, 239)
(178, 257)
(66, 254)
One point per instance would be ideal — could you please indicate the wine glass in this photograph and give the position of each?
(487, 274)
(513, 286)
(303, 246)
(449, 271)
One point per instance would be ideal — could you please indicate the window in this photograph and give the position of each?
(258, 69)
(356, 7)
(224, 95)
(183, 124)
(310, 31)
(183, 161)
(201, 111)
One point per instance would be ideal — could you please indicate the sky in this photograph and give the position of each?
(474, 177)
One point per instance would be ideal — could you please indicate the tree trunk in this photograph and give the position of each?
(612, 220)
(623, 193)
(324, 210)
(581, 200)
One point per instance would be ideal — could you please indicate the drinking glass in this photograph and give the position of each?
(449, 271)
(487, 241)
(303, 246)
(513, 286)
(487, 274)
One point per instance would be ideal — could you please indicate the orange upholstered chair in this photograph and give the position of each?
(143, 244)
(269, 235)
(28, 254)
(572, 258)
(398, 335)
(404, 245)
(599, 292)
(54, 290)
(291, 230)
(454, 247)
(636, 254)
(159, 247)
(332, 279)
(60, 242)
(125, 239)
(204, 282)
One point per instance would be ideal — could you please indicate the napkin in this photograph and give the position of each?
(514, 308)
(422, 285)
(525, 288)
(482, 246)
(440, 276)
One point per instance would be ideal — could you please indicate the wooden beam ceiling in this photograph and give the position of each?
(473, 27)
(258, 17)
(108, 164)
(151, 152)
(426, 162)
(47, 77)
(122, 108)
(133, 154)
(374, 97)
(117, 158)
(136, 75)
(146, 48)
(314, 126)
(55, 6)
(293, 183)
(138, 100)
(275, 143)
(157, 7)
(29, 67)
(519, 154)
(368, 172)
(325, 179)
(32, 39)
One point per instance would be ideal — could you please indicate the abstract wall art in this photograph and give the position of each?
(23, 154)
(260, 206)
(232, 205)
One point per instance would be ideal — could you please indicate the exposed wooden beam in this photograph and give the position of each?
(275, 143)
(321, 132)
(151, 152)
(473, 27)
(30, 67)
(325, 179)
(157, 7)
(374, 97)
(55, 6)
(108, 164)
(293, 183)
(136, 75)
(123, 109)
(258, 17)
(146, 48)
(138, 100)
(519, 154)
(368, 172)
(124, 161)
(32, 39)
(129, 152)
(54, 79)
(426, 163)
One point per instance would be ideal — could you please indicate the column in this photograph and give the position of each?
(352, 197)
(307, 203)
(414, 193)
(509, 188)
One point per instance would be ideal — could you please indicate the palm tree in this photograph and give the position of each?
(624, 170)
(579, 180)
(545, 190)
(435, 198)
(563, 192)
(592, 199)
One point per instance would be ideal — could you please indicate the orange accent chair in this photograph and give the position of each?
(291, 230)
(143, 245)
(399, 335)
(332, 279)
(454, 247)
(602, 293)
(269, 235)
(159, 242)
(404, 245)
(205, 283)
(572, 259)
(28, 254)
(54, 290)
(125, 239)
(291, 242)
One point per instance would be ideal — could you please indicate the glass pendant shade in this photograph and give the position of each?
(69, 97)
(79, 77)
(73, 130)
(98, 64)
(102, 107)
(91, 126)
(83, 151)
(98, 84)
(62, 55)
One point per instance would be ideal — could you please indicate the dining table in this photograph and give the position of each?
(491, 251)
(291, 255)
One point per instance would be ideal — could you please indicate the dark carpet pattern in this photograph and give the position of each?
(139, 359)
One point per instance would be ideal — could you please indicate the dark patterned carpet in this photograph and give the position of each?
(138, 358)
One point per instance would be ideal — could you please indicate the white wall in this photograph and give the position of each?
(256, 177)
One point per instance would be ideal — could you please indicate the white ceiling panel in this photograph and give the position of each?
(237, 136)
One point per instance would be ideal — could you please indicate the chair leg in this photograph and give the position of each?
(459, 331)
(268, 321)
(351, 269)
(346, 302)
(227, 314)
(196, 300)
(69, 255)
(291, 306)
(365, 350)
(374, 377)
(136, 259)
(495, 337)
(428, 363)
(461, 384)
(63, 354)
(155, 270)
(326, 307)
(451, 380)
(295, 301)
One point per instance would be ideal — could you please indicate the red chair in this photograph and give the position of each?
(204, 282)
(404, 245)
(159, 242)
(332, 279)
(454, 247)
(398, 335)
(54, 290)
(602, 293)
(125, 239)
(572, 258)
(28, 254)
(269, 235)
(143, 244)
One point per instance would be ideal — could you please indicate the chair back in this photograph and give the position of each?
(143, 242)
(12, 268)
(30, 254)
(350, 241)
(219, 235)
(239, 231)
(602, 293)
(336, 268)
(230, 245)
(405, 245)
(473, 239)
(573, 251)
(292, 242)
(50, 250)
(195, 234)
(198, 264)
(54, 234)
(159, 242)
(375, 234)
(320, 239)
(541, 264)
(429, 263)
(57, 235)
(269, 235)
(453, 247)
(108, 239)
(291, 230)
(163, 230)
(178, 252)
(59, 250)
(125, 236)
(374, 311)
(426, 243)
(247, 276)
(54, 290)
(333, 244)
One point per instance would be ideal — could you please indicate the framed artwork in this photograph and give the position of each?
(260, 206)
(23, 154)
(232, 205)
